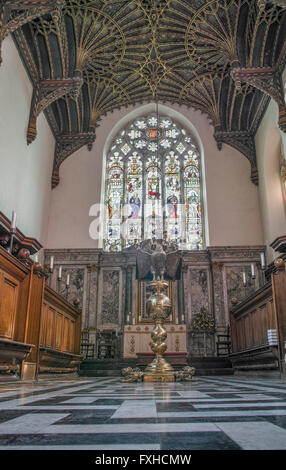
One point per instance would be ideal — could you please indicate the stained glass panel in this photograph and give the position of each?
(173, 197)
(133, 198)
(114, 201)
(192, 202)
(153, 201)
(153, 185)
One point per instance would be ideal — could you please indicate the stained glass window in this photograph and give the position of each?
(153, 186)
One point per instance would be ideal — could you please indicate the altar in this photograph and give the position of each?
(137, 340)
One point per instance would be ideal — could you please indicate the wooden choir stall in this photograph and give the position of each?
(258, 324)
(39, 329)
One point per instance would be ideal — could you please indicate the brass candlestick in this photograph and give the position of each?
(160, 308)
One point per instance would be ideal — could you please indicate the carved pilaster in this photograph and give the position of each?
(66, 145)
(93, 268)
(91, 287)
(25, 11)
(217, 266)
(129, 291)
(268, 80)
(45, 93)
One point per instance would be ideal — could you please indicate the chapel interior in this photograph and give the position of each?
(129, 129)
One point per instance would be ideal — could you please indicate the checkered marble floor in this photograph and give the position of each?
(210, 413)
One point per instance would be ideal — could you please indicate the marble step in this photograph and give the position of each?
(210, 362)
(112, 368)
(116, 373)
(213, 371)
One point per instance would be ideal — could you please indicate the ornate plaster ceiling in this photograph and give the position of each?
(89, 57)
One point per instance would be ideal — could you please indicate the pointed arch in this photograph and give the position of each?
(161, 193)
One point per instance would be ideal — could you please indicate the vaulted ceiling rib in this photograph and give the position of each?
(89, 57)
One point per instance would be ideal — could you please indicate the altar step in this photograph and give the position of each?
(112, 367)
(211, 365)
(105, 367)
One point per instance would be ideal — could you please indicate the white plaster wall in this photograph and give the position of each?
(231, 199)
(268, 148)
(25, 171)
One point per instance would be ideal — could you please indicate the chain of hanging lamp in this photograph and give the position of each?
(155, 80)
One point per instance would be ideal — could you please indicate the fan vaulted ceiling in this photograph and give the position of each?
(89, 57)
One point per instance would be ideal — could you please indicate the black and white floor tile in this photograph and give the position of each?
(210, 413)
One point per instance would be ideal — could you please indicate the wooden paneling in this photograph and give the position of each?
(251, 319)
(49, 327)
(61, 324)
(16, 305)
(14, 297)
(60, 334)
(34, 317)
(9, 291)
(279, 296)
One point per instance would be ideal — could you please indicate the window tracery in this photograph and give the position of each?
(153, 185)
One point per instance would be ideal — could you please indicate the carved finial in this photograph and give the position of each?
(76, 302)
(261, 4)
(32, 130)
(23, 253)
(57, 12)
(235, 65)
(254, 175)
(282, 118)
(279, 264)
(55, 178)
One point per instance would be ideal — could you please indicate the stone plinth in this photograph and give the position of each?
(173, 358)
(159, 378)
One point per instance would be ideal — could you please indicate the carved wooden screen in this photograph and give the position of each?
(153, 185)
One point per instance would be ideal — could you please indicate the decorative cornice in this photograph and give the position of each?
(66, 145)
(242, 141)
(21, 241)
(269, 81)
(26, 11)
(45, 93)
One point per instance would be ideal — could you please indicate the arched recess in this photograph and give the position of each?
(181, 121)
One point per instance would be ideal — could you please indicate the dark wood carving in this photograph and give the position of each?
(66, 144)
(45, 93)
(16, 13)
(245, 143)
(269, 81)
(280, 3)
(39, 329)
(16, 293)
(279, 298)
(21, 242)
(211, 55)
